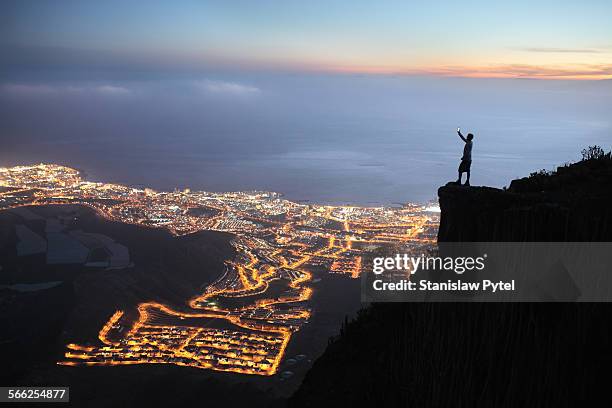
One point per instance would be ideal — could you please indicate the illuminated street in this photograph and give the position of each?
(244, 320)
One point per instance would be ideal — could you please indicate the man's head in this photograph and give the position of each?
(470, 136)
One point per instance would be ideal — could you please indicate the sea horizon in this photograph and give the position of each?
(366, 140)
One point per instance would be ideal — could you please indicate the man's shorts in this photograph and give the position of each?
(465, 165)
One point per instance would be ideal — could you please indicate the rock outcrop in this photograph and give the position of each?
(573, 204)
(484, 354)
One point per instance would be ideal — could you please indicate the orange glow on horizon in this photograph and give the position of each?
(597, 72)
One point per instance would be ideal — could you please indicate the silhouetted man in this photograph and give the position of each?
(466, 159)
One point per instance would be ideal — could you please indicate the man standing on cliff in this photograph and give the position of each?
(466, 159)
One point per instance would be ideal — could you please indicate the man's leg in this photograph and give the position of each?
(459, 178)
(467, 180)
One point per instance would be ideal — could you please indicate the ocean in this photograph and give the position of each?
(322, 138)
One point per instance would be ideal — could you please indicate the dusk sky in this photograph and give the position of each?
(329, 101)
(559, 39)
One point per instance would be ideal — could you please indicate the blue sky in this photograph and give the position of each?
(469, 38)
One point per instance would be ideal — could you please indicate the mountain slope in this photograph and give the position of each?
(483, 354)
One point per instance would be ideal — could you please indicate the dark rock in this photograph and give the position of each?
(484, 354)
(574, 204)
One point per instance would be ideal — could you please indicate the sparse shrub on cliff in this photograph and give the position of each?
(592, 157)
(542, 172)
(594, 153)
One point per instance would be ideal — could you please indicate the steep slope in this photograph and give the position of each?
(470, 354)
(572, 204)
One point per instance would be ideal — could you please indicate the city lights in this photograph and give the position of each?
(237, 324)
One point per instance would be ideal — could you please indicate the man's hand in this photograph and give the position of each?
(460, 135)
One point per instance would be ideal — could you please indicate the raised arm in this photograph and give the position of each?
(461, 136)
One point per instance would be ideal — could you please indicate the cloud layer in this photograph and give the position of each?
(590, 71)
(227, 88)
(45, 89)
(562, 50)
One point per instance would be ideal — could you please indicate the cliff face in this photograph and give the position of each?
(574, 204)
(483, 354)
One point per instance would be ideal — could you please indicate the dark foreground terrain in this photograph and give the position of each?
(482, 354)
(37, 324)
(464, 354)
